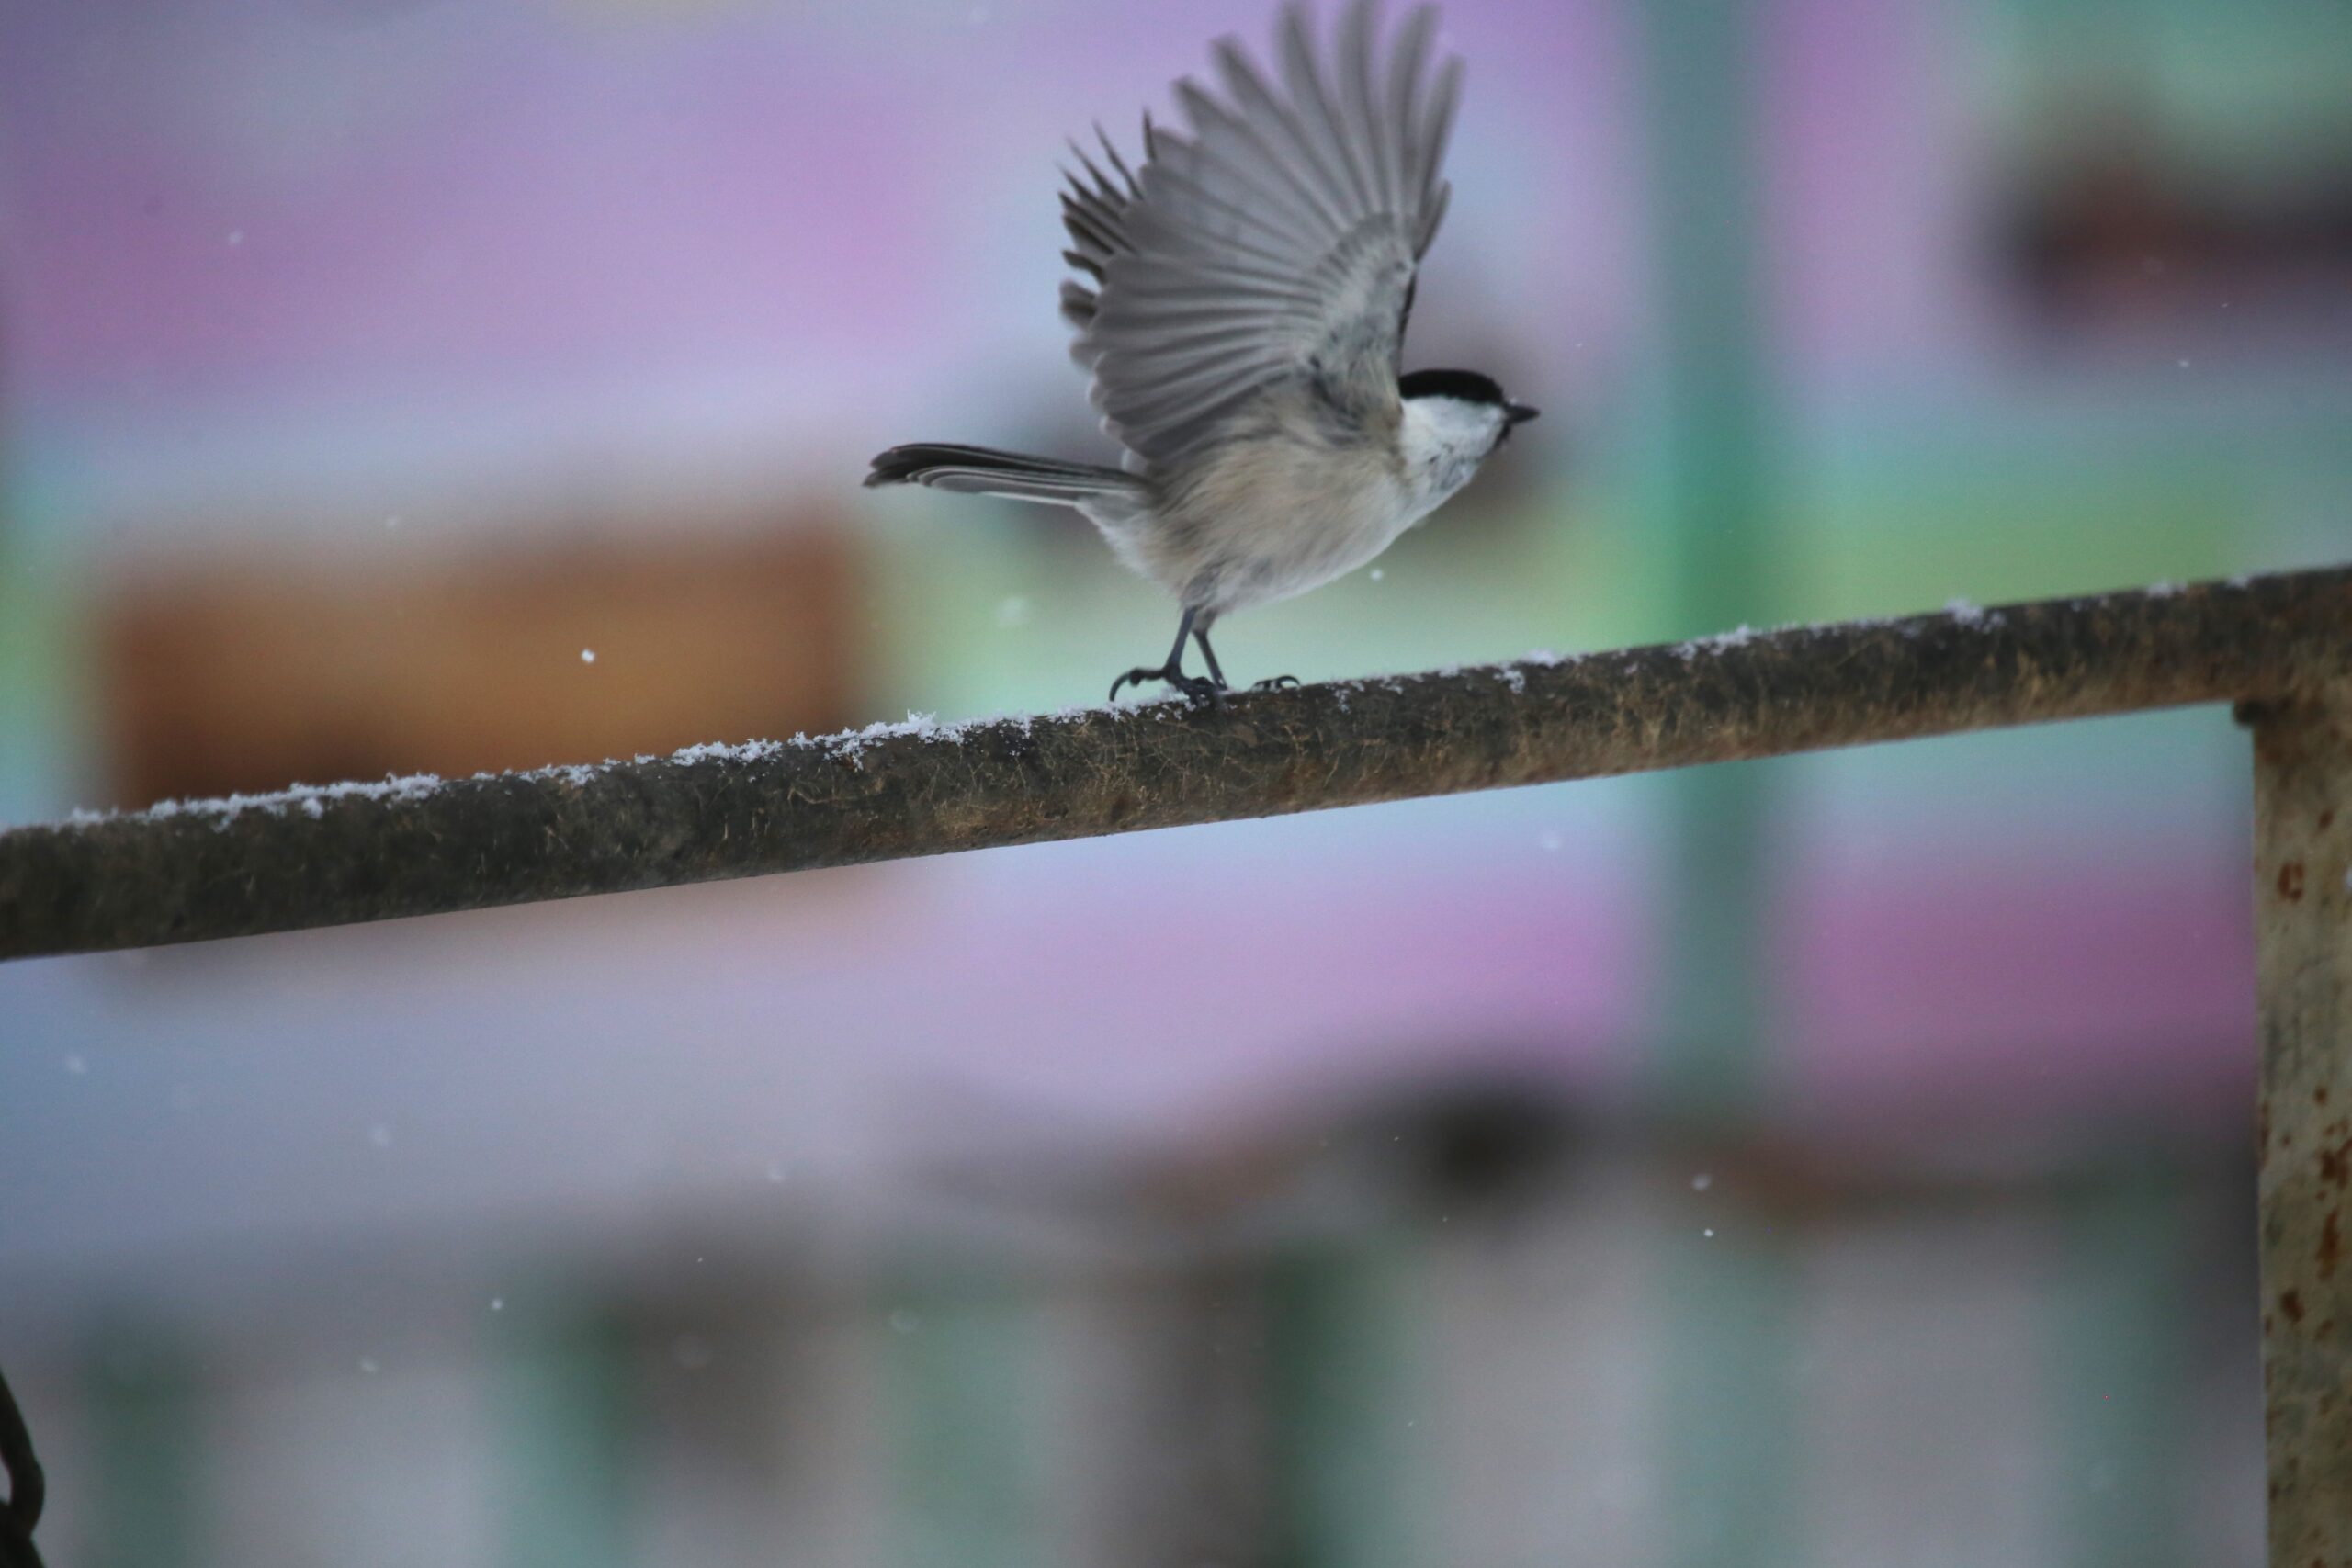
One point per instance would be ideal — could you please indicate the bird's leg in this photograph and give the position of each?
(1201, 636)
(1197, 688)
(1271, 684)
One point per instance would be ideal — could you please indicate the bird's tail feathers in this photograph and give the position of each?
(983, 470)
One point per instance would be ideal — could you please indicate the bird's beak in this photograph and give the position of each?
(1519, 413)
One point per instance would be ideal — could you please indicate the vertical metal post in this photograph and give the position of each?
(2302, 823)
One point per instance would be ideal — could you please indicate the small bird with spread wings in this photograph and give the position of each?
(1246, 288)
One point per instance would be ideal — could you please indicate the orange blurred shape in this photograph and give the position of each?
(248, 674)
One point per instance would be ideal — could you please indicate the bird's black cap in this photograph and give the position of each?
(1468, 386)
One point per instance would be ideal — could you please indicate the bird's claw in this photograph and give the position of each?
(1199, 689)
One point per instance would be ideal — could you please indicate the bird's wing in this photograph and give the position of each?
(1275, 239)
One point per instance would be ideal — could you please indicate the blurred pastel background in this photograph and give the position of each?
(1840, 1161)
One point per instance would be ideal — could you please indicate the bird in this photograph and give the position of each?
(1239, 295)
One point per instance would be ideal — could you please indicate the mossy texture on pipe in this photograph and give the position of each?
(190, 872)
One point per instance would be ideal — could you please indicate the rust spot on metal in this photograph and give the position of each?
(2335, 1166)
(2319, 1095)
(2327, 820)
(2290, 1302)
(2331, 1245)
(2290, 882)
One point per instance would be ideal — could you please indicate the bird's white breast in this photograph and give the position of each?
(1285, 509)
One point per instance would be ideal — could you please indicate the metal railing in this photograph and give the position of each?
(2277, 646)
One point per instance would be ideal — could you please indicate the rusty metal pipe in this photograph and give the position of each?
(194, 872)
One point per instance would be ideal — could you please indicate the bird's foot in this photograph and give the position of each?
(1275, 684)
(1199, 689)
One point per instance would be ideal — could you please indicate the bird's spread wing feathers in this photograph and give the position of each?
(1274, 237)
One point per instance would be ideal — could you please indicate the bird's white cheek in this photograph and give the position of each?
(1442, 475)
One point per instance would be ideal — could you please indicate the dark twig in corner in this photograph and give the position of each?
(28, 1488)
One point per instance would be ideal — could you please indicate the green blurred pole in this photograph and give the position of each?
(2117, 1408)
(1728, 1416)
(147, 1504)
(1341, 1400)
(567, 1441)
(1712, 494)
(22, 623)
(961, 1387)
(48, 726)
